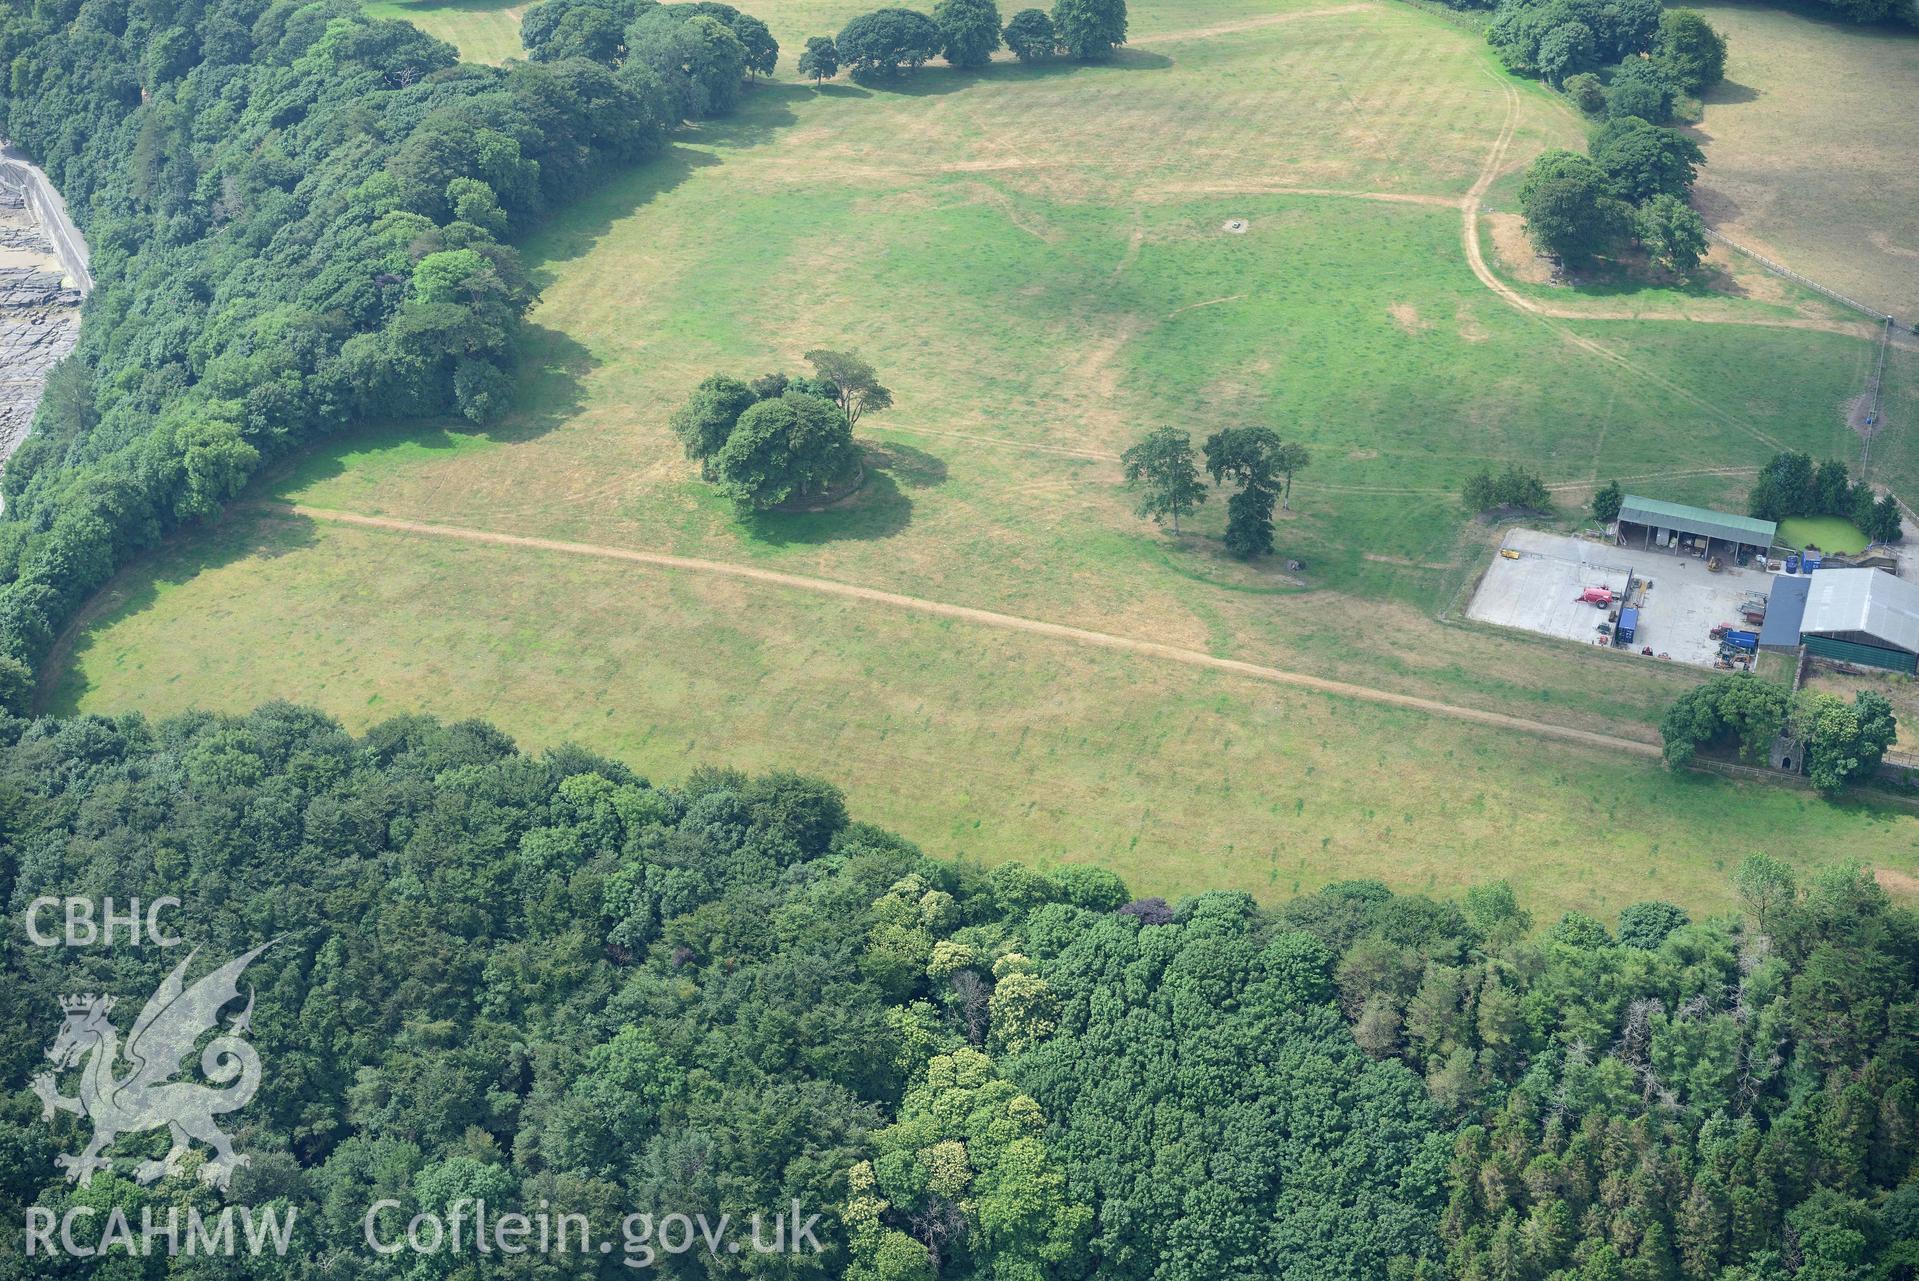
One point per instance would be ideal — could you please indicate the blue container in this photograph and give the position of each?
(1747, 641)
(1628, 625)
(1814, 560)
(1792, 562)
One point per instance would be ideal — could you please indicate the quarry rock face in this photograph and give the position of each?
(39, 316)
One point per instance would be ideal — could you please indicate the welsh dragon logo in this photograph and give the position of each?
(147, 1097)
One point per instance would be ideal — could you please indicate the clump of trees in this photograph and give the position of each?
(1511, 488)
(1741, 714)
(1633, 187)
(777, 440)
(1629, 63)
(1263, 466)
(1165, 472)
(699, 54)
(1619, 57)
(1790, 485)
(1554, 39)
(1862, 11)
(888, 43)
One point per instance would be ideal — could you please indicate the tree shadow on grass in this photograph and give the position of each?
(243, 533)
(572, 232)
(913, 468)
(1636, 280)
(766, 108)
(880, 509)
(548, 389)
(1729, 91)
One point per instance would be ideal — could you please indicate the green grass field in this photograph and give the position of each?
(482, 30)
(1828, 533)
(974, 741)
(1036, 259)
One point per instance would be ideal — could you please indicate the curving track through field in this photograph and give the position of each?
(970, 614)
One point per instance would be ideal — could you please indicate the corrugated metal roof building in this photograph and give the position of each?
(1660, 518)
(1785, 611)
(1863, 616)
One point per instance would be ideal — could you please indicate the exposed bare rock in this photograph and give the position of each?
(39, 314)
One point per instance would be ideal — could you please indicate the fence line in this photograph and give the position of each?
(1783, 270)
(1878, 390)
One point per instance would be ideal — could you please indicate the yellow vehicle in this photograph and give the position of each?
(1509, 553)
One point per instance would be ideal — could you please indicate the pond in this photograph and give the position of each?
(1827, 533)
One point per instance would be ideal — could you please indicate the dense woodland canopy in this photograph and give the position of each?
(1901, 11)
(541, 977)
(299, 217)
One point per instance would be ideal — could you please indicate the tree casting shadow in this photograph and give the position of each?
(548, 389)
(880, 509)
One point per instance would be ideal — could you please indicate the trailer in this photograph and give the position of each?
(1744, 642)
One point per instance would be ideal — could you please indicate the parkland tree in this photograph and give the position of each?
(1165, 472)
(970, 29)
(1643, 89)
(855, 386)
(1031, 37)
(1643, 160)
(1251, 458)
(821, 60)
(1672, 233)
(1607, 502)
(1090, 29)
(887, 42)
(1689, 51)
